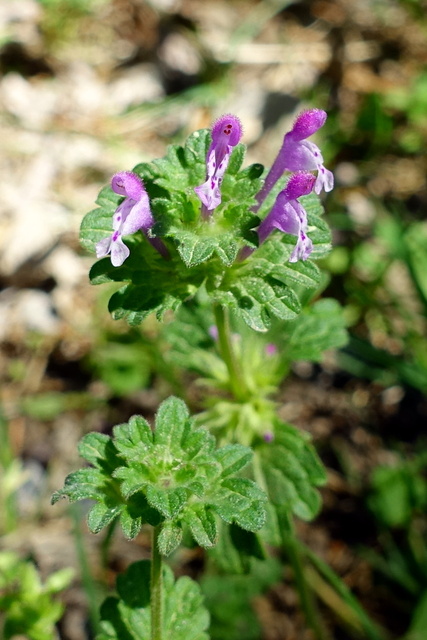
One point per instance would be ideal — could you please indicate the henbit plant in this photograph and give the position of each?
(243, 295)
(173, 478)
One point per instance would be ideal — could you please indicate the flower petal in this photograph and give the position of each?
(303, 248)
(102, 247)
(139, 216)
(119, 252)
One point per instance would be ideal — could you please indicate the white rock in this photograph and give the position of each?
(26, 309)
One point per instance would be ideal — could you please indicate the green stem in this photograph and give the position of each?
(307, 601)
(106, 543)
(156, 588)
(237, 384)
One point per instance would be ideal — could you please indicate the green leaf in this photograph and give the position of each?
(232, 458)
(319, 327)
(256, 299)
(241, 501)
(169, 502)
(292, 470)
(202, 524)
(235, 549)
(97, 224)
(171, 421)
(134, 438)
(128, 617)
(169, 538)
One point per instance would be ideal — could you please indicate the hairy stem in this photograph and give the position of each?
(156, 588)
(237, 383)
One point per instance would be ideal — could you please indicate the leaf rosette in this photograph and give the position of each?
(173, 474)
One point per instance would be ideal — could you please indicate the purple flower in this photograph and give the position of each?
(289, 216)
(132, 214)
(226, 133)
(270, 349)
(213, 332)
(298, 154)
(268, 436)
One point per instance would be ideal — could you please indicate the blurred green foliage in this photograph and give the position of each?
(398, 501)
(27, 606)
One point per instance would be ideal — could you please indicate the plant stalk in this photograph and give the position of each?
(156, 588)
(290, 545)
(237, 383)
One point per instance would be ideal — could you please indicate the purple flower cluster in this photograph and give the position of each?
(296, 155)
(301, 156)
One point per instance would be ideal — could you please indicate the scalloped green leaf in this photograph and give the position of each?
(169, 538)
(202, 525)
(169, 502)
(171, 422)
(292, 471)
(241, 501)
(233, 458)
(318, 328)
(167, 475)
(256, 299)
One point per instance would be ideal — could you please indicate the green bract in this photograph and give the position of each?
(172, 475)
(262, 287)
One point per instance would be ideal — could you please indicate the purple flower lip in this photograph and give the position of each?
(226, 133)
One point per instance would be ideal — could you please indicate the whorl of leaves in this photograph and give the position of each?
(173, 474)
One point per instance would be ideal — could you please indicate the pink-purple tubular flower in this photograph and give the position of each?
(226, 134)
(131, 215)
(289, 216)
(298, 154)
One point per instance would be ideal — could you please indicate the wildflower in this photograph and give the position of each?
(226, 133)
(268, 436)
(131, 215)
(270, 349)
(288, 215)
(213, 332)
(298, 154)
